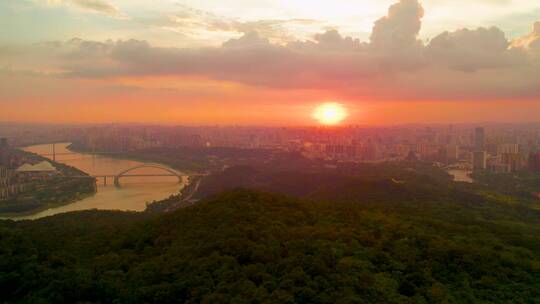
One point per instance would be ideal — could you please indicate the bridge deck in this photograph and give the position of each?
(113, 176)
(78, 153)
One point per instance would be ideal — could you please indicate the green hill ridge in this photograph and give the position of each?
(245, 246)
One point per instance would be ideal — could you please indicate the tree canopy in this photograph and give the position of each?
(246, 246)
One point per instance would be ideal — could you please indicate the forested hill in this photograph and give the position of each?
(253, 247)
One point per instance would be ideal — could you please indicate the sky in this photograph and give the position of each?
(269, 62)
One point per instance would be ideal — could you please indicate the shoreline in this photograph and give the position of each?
(127, 156)
(61, 167)
(15, 216)
(18, 216)
(123, 156)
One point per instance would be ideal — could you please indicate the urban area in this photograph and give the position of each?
(494, 149)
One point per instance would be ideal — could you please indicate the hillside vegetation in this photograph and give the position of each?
(245, 246)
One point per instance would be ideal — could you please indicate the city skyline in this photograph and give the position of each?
(395, 62)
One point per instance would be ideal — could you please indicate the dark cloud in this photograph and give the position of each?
(470, 50)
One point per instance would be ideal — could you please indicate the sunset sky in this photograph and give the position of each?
(255, 62)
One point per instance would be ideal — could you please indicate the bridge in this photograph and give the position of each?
(116, 177)
(170, 172)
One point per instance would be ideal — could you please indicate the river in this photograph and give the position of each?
(132, 196)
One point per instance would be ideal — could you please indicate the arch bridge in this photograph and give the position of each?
(169, 172)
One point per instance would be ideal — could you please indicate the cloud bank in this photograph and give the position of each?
(464, 65)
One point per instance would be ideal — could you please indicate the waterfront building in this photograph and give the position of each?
(9, 184)
(40, 170)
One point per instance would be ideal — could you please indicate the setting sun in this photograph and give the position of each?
(330, 113)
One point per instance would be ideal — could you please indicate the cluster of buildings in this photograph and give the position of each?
(17, 170)
(499, 156)
(8, 179)
(506, 149)
(495, 148)
(7, 186)
(124, 138)
(503, 150)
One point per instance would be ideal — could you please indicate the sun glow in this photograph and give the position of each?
(330, 113)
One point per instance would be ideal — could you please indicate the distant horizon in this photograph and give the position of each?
(314, 125)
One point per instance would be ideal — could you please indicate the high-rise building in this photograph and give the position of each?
(452, 152)
(508, 148)
(534, 162)
(514, 160)
(479, 160)
(4, 152)
(499, 168)
(479, 139)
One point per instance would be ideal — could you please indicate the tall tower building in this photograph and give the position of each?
(479, 153)
(4, 152)
(479, 139)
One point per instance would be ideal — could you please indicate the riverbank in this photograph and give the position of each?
(134, 195)
(15, 216)
(46, 191)
(174, 202)
(190, 188)
(186, 194)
